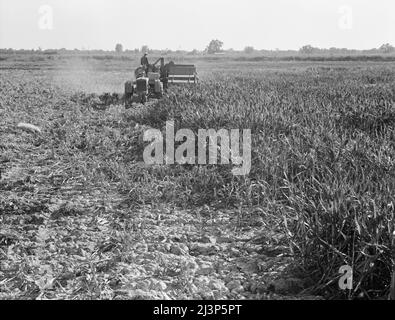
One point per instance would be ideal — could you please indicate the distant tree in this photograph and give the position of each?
(144, 48)
(249, 49)
(194, 52)
(387, 48)
(166, 52)
(214, 46)
(308, 49)
(119, 48)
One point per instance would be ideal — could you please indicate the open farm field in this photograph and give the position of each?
(83, 217)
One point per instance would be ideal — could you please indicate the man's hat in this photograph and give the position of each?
(145, 53)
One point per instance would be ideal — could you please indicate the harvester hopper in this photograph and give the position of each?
(180, 73)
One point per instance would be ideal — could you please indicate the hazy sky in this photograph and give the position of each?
(189, 24)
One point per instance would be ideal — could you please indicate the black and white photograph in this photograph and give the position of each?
(215, 151)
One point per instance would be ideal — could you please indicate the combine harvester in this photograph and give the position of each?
(152, 82)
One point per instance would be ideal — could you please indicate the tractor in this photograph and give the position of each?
(152, 81)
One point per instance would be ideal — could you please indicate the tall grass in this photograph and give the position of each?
(323, 162)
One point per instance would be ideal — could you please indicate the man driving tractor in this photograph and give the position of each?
(144, 62)
(151, 80)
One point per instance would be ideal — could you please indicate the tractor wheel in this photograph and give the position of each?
(143, 99)
(128, 99)
(129, 90)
